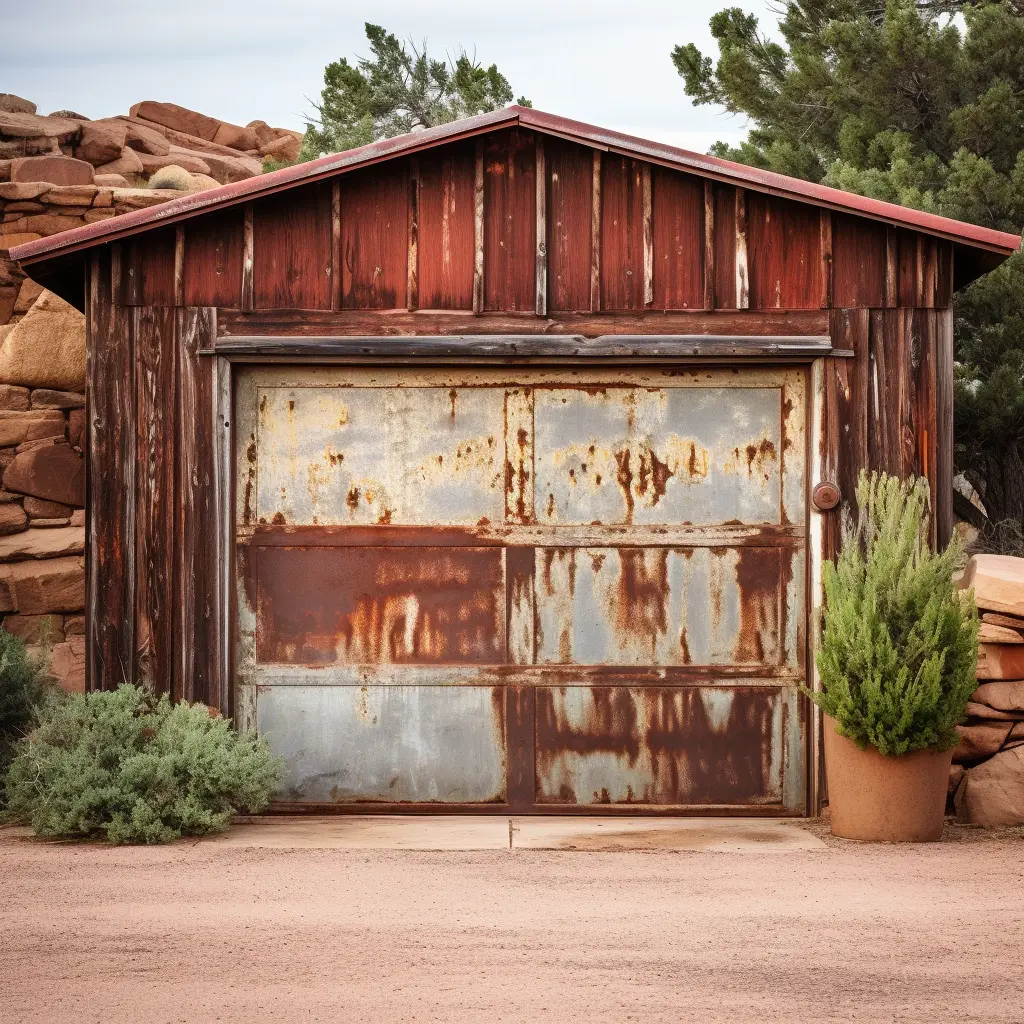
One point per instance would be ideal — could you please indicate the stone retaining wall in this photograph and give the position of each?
(42, 427)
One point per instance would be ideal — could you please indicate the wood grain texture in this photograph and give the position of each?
(858, 263)
(248, 257)
(622, 233)
(292, 248)
(924, 366)
(595, 233)
(336, 252)
(214, 247)
(784, 254)
(742, 261)
(150, 265)
(510, 221)
(825, 248)
(678, 243)
(196, 622)
(412, 276)
(540, 256)
(374, 232)
(709, 245)
(179, 265)
(944, 425)
(155, 430)
(478, 227)
(111, 464)
(446, 228)
(399, 323)
(725, 247)
(569, 206)
(848, 384)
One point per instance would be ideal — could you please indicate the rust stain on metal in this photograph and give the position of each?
(759, 579)
(321, 606)
(601, 745)
(641, 598)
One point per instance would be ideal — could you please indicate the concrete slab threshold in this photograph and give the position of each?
(451, 832)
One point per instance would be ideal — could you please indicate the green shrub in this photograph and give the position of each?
(136, 769)
(900, 642)
(21, 693)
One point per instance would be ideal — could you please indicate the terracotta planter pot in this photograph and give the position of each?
(882, 799)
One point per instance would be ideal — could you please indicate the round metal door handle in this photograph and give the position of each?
(825, 496)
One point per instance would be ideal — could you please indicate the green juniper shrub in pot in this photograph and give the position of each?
(896, 666)
(134, 768)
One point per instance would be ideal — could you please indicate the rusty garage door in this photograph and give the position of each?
(523, 588)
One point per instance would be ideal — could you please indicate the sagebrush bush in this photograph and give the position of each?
(21, 693)
(900, 642)
(136, 769)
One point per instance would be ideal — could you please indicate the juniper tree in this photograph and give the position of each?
(917, 103)
(398, 89)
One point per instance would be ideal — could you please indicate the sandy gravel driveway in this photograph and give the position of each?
(225, 931)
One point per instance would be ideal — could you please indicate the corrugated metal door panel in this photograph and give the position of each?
(532, 588)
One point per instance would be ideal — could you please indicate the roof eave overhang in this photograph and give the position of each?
(965, 236)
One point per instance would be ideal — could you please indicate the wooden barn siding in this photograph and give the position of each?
(599, 244)
(152, 569)
(602, 233)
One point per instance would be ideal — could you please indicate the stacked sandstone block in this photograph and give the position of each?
(66, 148)
(988, 770)
(56, 173)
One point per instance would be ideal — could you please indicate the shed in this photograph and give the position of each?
(492, 467)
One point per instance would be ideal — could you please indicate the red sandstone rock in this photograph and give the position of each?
(992, 793)
(67, 664)
(177, 157)
(12, 519)
(60, 170)
(52, 471)
(54, 542)
(30, 425)
(36, 629)
(181, 119)
(101, 141)
(1007, 695)
(128, 163)
(1000, 661)
(76, 428)
(286, 148)
(235, 137)
(49, 585)
(981, 739)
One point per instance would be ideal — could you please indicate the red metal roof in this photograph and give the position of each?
(969, 235)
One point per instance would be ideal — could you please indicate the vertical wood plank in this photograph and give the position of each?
(742, 276)
(510, 222)
(110, 471)
(179, 265)
(858, 263)
(709, 244)
(568, 214)
(445, 230)
(622, 234)
(678, 240)
(944, 275)
(541, 233)
(247, 258)
(783, 246)
(648, 234)
(336, 250)
(214, 268)
(412, 288)
(195, 627)
(944, 426)
(925, 414)
(848, 393)
(155, 432)
(825, 217)
(891, 268)
(292, 253)
(478, 229)
(595, 234)
(725, 246)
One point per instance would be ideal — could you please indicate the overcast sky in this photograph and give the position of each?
(595, 60)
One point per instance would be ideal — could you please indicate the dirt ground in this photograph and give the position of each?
(222, 931)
